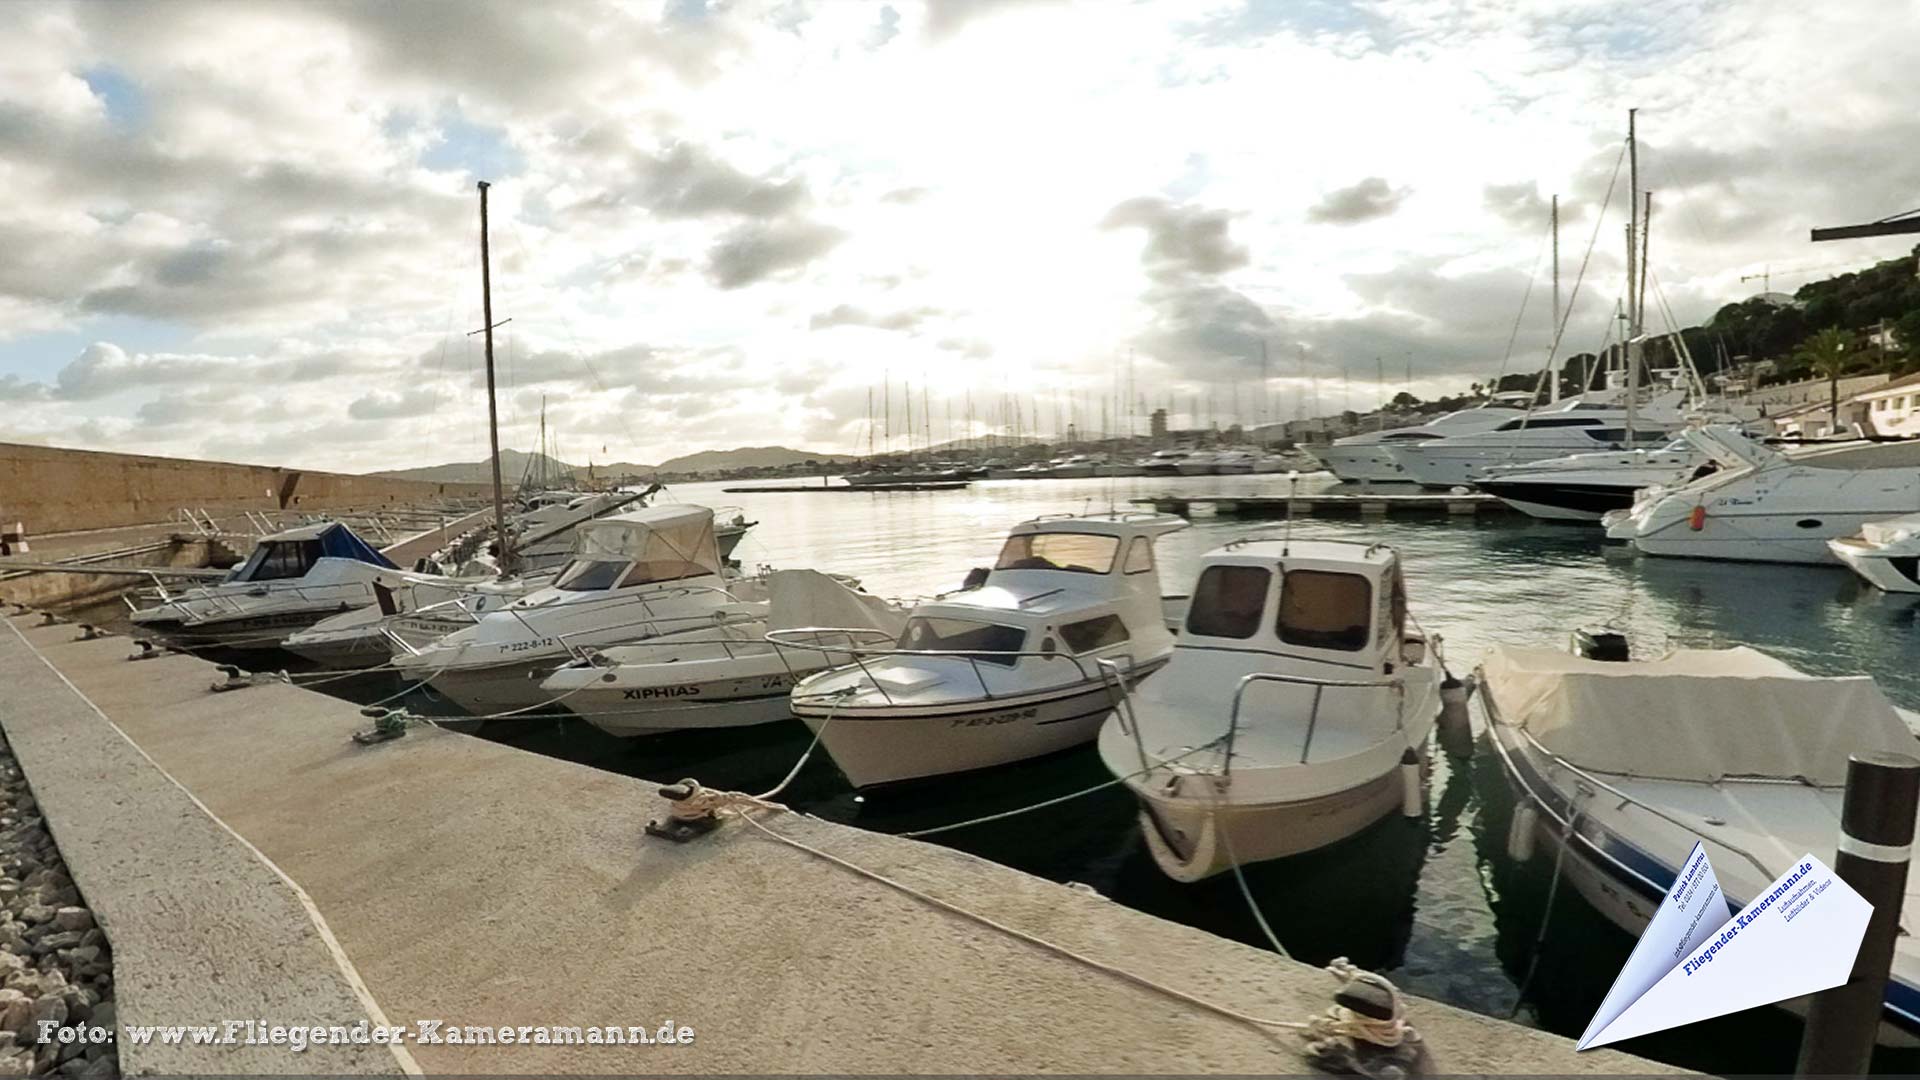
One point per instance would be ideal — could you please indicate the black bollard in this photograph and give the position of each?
(1876, 832)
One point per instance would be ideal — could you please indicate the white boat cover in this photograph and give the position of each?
(664, 535)
(1892, 530)
(804, 598)
(1695, 714)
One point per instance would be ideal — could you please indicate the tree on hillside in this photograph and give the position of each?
(1825, 354)
(1404, 401)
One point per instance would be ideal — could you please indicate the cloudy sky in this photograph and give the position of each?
(250, 232)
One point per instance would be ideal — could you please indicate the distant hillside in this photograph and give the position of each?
(746, 457)
(515, 464)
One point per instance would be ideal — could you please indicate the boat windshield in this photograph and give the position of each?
(1227, 601)
(979, 640)
(1082, 553)
(279, 560)
(1322, 609)
(590, 575)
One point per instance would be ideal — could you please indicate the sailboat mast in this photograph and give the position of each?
(493, 406)
(1553, 346)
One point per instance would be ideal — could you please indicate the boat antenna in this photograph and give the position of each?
(1286, 540)
(493, 405)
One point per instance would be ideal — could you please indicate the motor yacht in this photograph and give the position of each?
(721, 676)
(1885, 553)
(1575, 425)
(1295, 702)
(1024, 663)
(1584, 487)
(1755, 774)
(1368, 456)
(1198, 463)
(1234, 462)
(292, 579)
(633, 576)
(1768, 504)
(1163, 462)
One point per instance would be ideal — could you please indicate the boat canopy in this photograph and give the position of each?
(292, 552)
(667, 542)
(800, 599)
(1695, 714)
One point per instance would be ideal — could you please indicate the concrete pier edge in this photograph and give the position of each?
(419, 860)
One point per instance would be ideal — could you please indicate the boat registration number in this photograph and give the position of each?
(527, 646)
(995, 718)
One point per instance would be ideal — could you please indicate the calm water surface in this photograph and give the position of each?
(1435, 904)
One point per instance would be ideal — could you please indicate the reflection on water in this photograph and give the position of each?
(1436, 904)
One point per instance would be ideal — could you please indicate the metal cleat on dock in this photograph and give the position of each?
(145, 651)
(48, 618)
(236, 679)
(388, 724)
(690, 815)
(90, 632)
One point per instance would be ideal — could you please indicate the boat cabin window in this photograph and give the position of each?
(649, 571)
(280, 560)
(1228, 600)
(976, 639)
(1396, 436)
(1524, 424)
(1321, 609)
(1139, 556)
(1096, 633)
(590, 575)
(1083, 553)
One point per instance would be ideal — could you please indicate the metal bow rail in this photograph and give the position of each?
(861, 653)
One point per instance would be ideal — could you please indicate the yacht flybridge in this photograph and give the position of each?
(1023, 664)
(1368, 456)
(1295, 706)
(633, 576)
(1768, 505)
(292, 579)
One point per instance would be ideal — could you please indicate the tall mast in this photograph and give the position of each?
(1553, 367)
(1633, 222)
(493, 406)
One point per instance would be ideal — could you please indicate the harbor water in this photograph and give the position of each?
(1436, 903)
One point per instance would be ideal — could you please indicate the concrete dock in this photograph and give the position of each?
(246, 860)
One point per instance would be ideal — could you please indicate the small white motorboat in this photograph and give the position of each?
(410, 610)
(1634, 762)
(633, 576)
(721, 676)
(291, 580)
(1024, 663)
(1294, 713)
(1885, 553)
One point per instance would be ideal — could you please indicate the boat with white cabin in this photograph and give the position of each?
(633, 576)
(1585, 487)
(1368, 456)
(1024, 663)
(1574, 425)
(721, 676)
(1294, 713)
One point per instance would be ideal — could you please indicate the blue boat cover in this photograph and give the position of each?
(339, 542)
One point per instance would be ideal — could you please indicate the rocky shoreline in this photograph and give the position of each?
(55, 964)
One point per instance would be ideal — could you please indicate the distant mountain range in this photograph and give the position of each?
(517, 464)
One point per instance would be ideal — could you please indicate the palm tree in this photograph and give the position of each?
(1826, 353)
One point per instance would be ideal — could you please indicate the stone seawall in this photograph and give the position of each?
(51, 490)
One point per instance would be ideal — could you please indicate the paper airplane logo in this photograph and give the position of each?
(1695, 961)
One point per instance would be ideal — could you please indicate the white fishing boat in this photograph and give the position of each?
(292, 579)
(1585, 487)
(1773, 505)
(410, 610)
(1634, 762)
(1885, 553)
(1368, 456)
(1007, 670)
(721, 676)
(1295, 711)
(633, 576)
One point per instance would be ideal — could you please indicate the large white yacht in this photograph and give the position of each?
(292, 579)
(1023, 664)
(1574, 425)
(1368, 456)
(633, 576)
(1770, 505)
(1584, 487)
(1293, 709)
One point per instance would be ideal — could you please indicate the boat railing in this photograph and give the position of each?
(229, 603)
(860, 654)
(595, 655)
(650, 623)
(1320, 687)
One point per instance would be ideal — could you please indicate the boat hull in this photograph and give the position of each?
(880, 745)
(1360, 464)
(1736, 537)
(727, 702)
(1892, 573)
(1561, 502)
(1195, 837)
(264, 631)
(496, 688)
